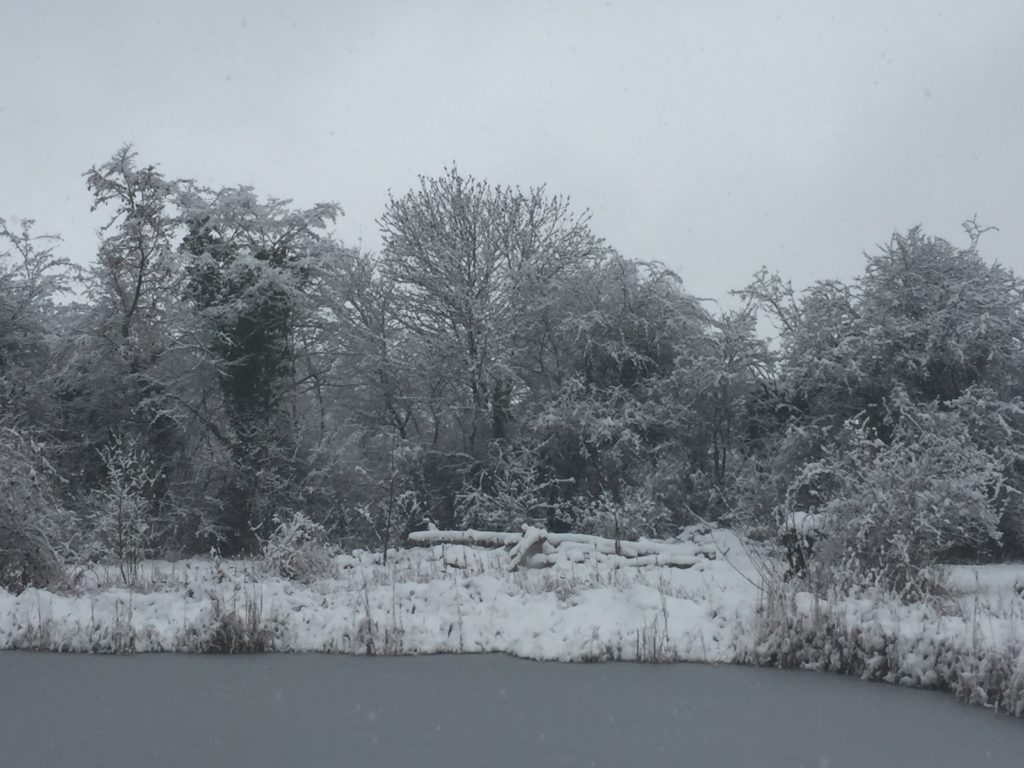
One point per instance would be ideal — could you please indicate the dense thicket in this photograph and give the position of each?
(227, 366)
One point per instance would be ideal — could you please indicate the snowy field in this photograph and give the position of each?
(705, 596)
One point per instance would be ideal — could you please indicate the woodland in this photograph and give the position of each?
(226, 375)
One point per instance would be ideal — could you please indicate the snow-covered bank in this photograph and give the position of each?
(701, 598)
(586, 605)
(967, 640)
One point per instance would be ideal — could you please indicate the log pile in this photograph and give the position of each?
(537, 548)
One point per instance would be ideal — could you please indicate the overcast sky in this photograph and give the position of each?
(713, 136)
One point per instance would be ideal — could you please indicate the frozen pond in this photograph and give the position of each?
(473, 711)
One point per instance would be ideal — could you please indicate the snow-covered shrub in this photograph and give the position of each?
(996, 425)
(509, 495)
(892, 510)
(119, 512)
(635, 516)
(234, 631)
(754, 494)
(298, 550)
(383, 498)
(32, 522)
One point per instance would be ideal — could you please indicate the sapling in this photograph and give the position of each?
(120, 510)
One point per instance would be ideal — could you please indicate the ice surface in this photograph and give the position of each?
(473, 711)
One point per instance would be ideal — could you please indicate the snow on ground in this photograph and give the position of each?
(997, 582)
(983, 609)
(586, 605)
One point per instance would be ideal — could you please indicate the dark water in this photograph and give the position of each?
(473, 711)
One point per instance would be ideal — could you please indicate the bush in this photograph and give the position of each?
(891, 511)
(32, 522)
(235, 632)
(298, 550)
(511, 493)
(996, 426)
(635, 516)
(386, 498)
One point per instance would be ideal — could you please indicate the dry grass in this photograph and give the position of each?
(935, 642)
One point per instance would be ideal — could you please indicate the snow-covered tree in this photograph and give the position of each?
(715, 400)
(925, 316)
(255, 276)
(468, 261)
(926, 319)
(118, 347)
(471, 267)
(940, 319)
(620, 333)
(137, 266)
(32, 276)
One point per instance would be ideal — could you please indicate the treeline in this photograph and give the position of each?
(230, 368)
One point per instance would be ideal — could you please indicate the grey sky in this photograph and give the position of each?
(714, 136)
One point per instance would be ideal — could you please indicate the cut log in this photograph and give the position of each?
(473, 538)
(531, 543)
